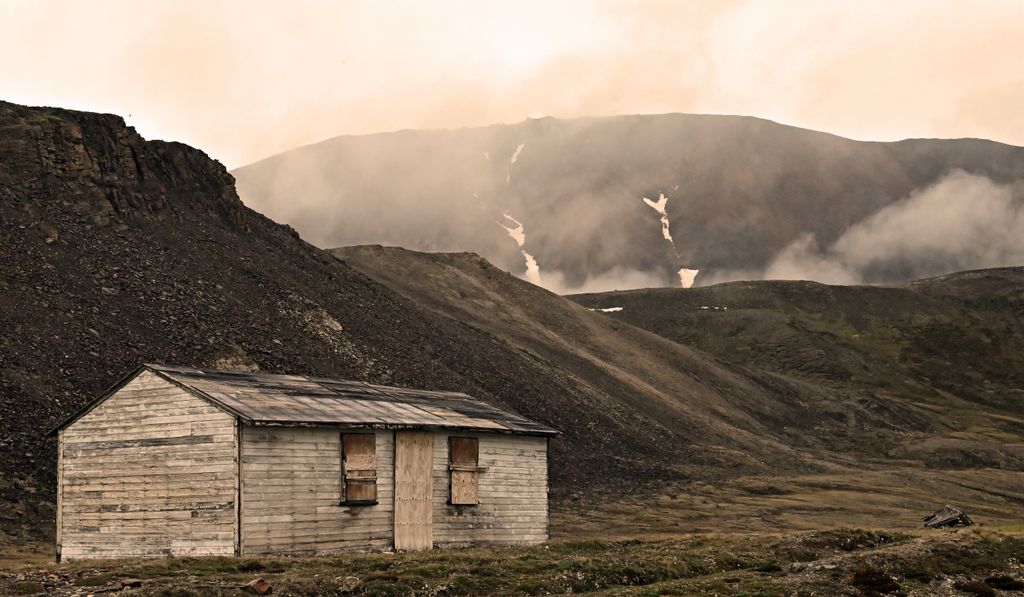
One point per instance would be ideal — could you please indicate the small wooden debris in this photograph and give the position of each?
(947, 516)
(259, 587)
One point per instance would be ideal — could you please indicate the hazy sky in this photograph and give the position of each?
(247, 79)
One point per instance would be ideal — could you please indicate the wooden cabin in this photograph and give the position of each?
(175, 461)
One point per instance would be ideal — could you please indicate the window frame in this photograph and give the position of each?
(475, 468)
(366, 480)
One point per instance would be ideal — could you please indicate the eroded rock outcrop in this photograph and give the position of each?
(100, 165)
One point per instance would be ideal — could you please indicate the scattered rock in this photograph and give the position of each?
(131, 583)
(49, 232)
(259, 586)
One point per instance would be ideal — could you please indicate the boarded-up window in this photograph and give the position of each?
(359, 468)
(463, 462)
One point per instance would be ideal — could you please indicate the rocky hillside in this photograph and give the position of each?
(775, 376)
(745, 198)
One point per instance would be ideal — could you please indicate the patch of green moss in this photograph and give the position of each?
(28, 587)
(95, 580)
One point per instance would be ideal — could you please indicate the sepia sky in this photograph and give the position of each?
(247, 79)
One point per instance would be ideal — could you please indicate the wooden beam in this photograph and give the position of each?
(60, 490)
(238, 486)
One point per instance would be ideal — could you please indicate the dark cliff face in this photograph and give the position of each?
(105, 167)
(98, 230)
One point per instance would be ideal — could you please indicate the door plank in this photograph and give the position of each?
(414, 452)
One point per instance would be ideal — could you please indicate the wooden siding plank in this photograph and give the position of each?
(236, 478)
(512, 492)
(134, 442)
(292, 488)
(60, 491)
(147, 472)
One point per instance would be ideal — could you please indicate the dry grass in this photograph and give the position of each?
(847, 497)
(836, 562)
(827, 534)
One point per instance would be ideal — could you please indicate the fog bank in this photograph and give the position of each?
(962, 222)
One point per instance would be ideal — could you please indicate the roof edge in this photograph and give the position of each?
(546, 432)
(541, 430)
(155, 370)
(382, 389)
(161, 373)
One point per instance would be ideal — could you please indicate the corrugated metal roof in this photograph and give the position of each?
(298, 400)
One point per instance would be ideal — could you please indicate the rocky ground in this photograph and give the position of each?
(826, 563)
(951, 346)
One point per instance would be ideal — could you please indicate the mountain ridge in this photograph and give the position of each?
(597, 118)
(740, 191)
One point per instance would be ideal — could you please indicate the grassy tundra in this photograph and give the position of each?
(626, 547)
(838, 562)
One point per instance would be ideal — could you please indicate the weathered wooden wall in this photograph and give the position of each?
(291, 488)
(148, 472)
(513, 493)
(154, 470)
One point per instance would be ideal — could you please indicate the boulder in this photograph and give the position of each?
(259, 586)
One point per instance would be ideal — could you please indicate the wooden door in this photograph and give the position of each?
(414, 464)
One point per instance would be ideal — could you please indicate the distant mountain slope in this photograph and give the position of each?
(757, 410)
(948, 345)
(740, 191)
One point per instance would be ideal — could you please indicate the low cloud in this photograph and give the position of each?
(962, 222)
(207, 73)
